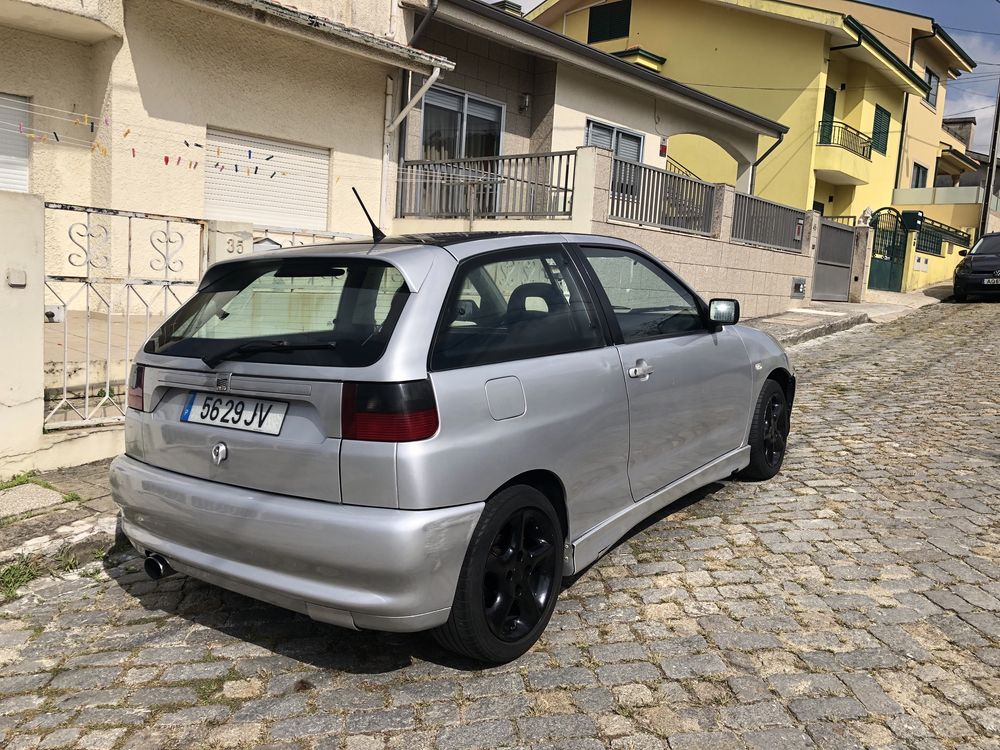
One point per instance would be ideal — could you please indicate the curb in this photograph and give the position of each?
(823, 329)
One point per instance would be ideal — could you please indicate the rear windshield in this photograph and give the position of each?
(988, 245)
(329, 312)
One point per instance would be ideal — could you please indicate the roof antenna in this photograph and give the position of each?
(377, 234)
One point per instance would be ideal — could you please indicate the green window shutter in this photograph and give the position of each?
(880, 130)
(610, 21)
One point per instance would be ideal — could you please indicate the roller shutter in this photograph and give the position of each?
(266, 182)
(13, 144)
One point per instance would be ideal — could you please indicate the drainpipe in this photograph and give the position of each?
(431, 10)
(407, 82)
(753, 167)
(386, 150)
(416, 98)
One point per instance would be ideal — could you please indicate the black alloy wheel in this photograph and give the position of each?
(768, 433)
(510, 578)
(519, 572)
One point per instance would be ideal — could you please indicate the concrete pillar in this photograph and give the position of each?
(227, 240)
(22, 308)
(860, 262)
(722, 214)
(744, 176)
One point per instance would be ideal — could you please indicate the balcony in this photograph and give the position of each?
(846, 156)
(81, 21)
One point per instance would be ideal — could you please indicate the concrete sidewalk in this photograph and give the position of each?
(817, 319)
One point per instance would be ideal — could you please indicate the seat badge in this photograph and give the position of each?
(222, 381)
(219, 453)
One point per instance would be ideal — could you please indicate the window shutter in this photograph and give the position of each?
(484, 110)
(629, 147)
(880, 130)
(444, 99)
(13, 145)
(297, 196)
(600, 135)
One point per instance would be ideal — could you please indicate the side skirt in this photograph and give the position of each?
(598, 540)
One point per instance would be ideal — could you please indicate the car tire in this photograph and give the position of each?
(510, 578)
(768, 433)
(960, 297)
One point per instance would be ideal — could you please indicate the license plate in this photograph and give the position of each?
(995, 280)
(251, 414)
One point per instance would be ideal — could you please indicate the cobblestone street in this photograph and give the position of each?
(853, 601)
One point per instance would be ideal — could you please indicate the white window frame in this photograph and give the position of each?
(465, 114)
(616, 131)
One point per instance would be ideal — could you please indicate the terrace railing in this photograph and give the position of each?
(655, 197)
(521, 186)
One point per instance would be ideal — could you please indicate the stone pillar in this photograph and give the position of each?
(722, 213)
(744, 176)
(860, 262)
(591, 189)
(22, 337)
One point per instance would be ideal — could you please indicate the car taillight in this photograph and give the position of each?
(389, 412)
(135, 381)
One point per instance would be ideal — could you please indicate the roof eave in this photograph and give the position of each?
(955, 48)
(904, 72)
(326, 32)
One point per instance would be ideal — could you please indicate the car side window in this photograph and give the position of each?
(508, 307)
(647, 302)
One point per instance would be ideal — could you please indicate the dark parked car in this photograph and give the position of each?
(979, 272)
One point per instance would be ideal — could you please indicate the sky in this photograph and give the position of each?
(975, 25)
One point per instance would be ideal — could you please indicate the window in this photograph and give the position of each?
(263, 181)
(919, 176)
(514, 307)
(609, 21)
(13, 145)
(331, 312)
(647, 302)
(458, 125)
(626, 144)
(932, 80)
(880, 130)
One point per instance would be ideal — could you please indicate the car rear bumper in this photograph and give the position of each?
(975, 285)
(358, 567)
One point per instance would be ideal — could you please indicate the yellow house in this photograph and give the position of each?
(840, 90)
(932, 158)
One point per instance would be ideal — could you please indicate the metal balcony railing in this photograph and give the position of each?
(834, 133)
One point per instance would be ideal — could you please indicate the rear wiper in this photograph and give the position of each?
(256, 347)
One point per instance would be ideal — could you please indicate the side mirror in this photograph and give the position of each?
(724, 312)
(963, 253)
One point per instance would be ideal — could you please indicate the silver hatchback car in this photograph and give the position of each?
(430, 432)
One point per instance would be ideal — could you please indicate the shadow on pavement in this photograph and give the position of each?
(280, 632)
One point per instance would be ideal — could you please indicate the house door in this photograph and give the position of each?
(829, 112)
(888, 251)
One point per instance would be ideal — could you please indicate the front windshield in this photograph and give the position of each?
(988, 245)
(350, 304)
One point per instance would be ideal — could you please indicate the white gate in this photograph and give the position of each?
(111, 278)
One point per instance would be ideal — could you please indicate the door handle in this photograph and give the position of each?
(641, 371)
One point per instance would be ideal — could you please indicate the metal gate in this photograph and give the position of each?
(832, 274)
(888, 251)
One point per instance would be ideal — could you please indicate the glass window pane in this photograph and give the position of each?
(482, 137)
(442, 128)
(647, 302)
(516, 308)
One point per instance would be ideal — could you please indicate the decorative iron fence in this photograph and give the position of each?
(933, 235)
(833, 133)
(655, 197)
(109, 283)
(525, 186)
(762, 222)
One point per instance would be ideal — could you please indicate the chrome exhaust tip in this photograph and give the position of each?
(157, 567)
